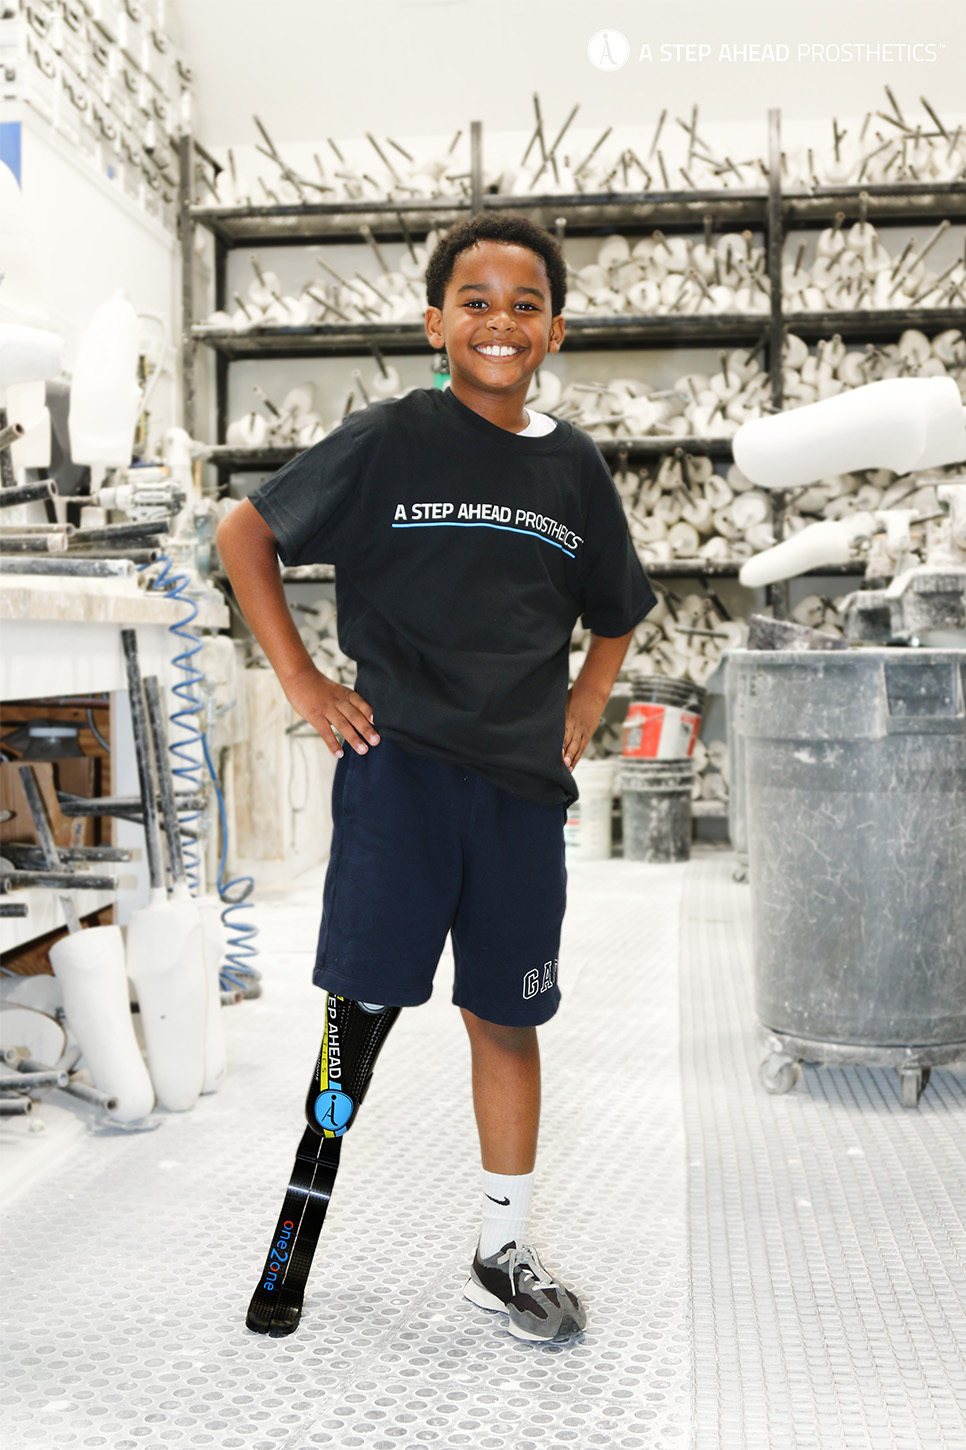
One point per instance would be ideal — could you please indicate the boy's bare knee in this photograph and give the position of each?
(504, 1039)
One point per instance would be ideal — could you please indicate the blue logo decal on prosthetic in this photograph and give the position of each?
(333, 1109)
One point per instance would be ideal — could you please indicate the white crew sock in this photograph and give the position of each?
(506, 1210)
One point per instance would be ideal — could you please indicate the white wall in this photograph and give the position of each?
(315, 68)
(91, 240)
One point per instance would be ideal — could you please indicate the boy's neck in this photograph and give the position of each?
(504, 411)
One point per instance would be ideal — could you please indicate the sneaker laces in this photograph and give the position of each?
(526, 1258)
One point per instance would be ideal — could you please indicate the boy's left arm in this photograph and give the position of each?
(590, 692)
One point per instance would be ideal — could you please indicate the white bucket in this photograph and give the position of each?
(587, 831)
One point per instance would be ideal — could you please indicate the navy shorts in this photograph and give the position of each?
(420, 848)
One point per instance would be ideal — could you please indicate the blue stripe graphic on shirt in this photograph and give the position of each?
(506, 528)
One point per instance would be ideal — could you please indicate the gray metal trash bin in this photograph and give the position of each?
(855, 802)
(737, 815)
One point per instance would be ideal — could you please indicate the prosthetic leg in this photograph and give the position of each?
(351, 1042)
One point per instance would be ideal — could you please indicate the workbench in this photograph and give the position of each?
(62, 637)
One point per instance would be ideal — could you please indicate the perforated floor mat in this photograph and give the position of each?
(828, 1244)
(129, 1272)
(827, 1265)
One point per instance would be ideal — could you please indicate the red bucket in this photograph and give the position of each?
(659, 732)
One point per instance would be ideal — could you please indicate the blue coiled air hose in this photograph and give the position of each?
(237, 970)
(237, 973)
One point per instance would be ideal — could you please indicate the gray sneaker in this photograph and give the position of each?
(537, 1306)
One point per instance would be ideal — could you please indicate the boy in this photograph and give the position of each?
(468, 536)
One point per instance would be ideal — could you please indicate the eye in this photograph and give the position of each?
(475, 302)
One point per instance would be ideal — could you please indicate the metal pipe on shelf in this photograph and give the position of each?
(146, 798)
(43, 489)
(26, 543)
(62, 881)
(23, 1081)
(45, 836)
(120, 533)
(75, 702)
(21, 552)
(12, 530)
(74, 805)
(22, 854)
(132, 556)
(9, 434)
(14, 1107)
(25, 1063)
(92, 1095)
(136, 818)
(76, 566)
(169, 809)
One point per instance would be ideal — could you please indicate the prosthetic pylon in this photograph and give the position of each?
(353, 1036)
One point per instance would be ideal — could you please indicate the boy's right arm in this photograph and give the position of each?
(248, 550)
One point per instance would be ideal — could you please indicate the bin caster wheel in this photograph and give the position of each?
(778, 1074)
(912, 1081)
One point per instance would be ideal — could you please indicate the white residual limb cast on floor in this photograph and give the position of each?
(506, 1211)
(89, 967)
(166, 964)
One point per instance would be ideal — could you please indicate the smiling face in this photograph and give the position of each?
(497, 326)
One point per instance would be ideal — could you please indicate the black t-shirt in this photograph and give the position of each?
(464, 556)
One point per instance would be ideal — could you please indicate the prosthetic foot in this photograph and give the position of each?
(353, 1036)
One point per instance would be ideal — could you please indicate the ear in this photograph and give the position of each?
(557, 329)
(434, 327)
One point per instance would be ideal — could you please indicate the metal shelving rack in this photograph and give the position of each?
(257, 460)
(355, 339)
(771, 209)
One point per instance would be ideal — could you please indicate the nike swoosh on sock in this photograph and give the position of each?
(502, 1202)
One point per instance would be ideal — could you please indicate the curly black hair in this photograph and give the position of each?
(509, 227)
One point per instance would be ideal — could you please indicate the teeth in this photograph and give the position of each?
(498, 351)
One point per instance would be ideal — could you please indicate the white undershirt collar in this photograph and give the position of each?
(538, 425)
